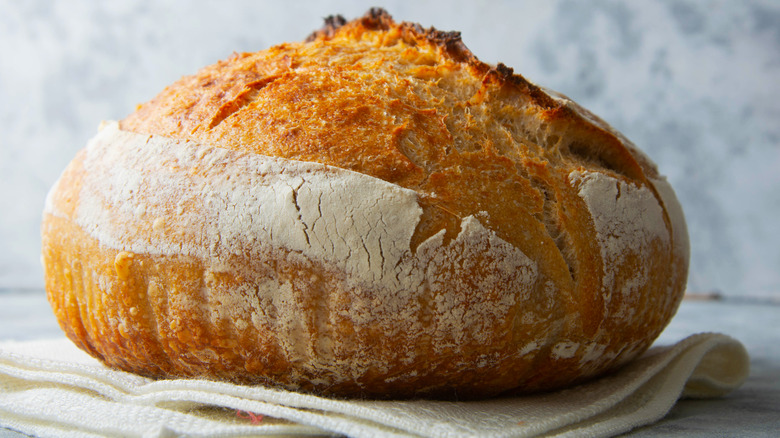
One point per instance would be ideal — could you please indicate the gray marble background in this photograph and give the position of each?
(696, 84)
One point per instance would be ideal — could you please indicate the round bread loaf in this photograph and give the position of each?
(373, 212)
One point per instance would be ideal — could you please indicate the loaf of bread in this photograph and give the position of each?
(370, 213)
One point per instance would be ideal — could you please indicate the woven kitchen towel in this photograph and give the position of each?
(52, 389)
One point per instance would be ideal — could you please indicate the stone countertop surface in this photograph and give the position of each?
(753, 410)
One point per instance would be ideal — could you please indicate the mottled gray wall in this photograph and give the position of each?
(696, 84)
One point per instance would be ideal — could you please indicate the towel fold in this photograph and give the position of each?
(52, 389)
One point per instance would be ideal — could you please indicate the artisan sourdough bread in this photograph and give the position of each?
(373, 212)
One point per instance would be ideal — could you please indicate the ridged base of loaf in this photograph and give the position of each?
(168, 316)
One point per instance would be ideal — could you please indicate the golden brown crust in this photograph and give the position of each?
(413, 107)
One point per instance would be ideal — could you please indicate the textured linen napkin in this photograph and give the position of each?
(52, 389)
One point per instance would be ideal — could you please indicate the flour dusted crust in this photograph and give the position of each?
(372, 212)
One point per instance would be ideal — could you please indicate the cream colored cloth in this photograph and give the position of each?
(52, 389)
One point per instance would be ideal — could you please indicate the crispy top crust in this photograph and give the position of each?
(406, 63)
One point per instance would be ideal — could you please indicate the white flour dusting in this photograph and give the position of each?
(627, 219)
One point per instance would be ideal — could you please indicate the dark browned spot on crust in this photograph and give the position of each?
(332, 24)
